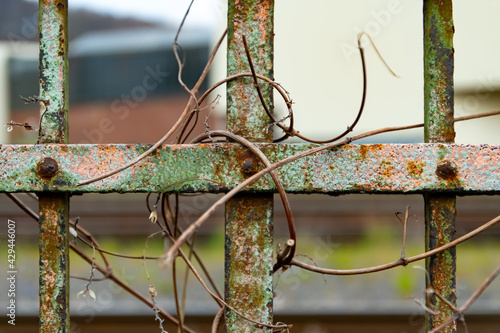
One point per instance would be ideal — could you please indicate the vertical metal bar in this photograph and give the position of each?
(54, 263)
(440, 210)
(54, 208)
(249, 229)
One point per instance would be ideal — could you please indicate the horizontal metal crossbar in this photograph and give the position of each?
(354, 168)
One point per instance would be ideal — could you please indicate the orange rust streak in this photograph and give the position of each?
(415, 168)
(262, 18)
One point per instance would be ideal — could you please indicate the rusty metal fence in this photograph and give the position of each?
(438, 168)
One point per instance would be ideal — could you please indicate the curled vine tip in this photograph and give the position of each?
(360, 35)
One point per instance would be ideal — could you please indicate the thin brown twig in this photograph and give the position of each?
(127, 288)
(114, 254)
(36, 217)
(360, 35)
(185, 282)
(361, 107)
(217, 320)
(290, 131)
(180, 315)
(444, 300)
(180, 63)
(167, 231)
(279, 186)
(256, 82)
(404, 223)
(399, 262)
(174, 128)
(170, 255)
(220, 301)
(181, 138)
(22, 205)
(95, 245)
(174, 266)
(274, 84)
(461, 311)
(107, 272)
(284, 257)
(477, 116)
(180, 312)
(165, 208)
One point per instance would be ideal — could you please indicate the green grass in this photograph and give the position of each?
(378, 245)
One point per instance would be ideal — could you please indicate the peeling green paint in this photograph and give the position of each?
(440, 209)
(438, 71)
(248, 264)
(54, 94)
(54, 207)
(391, 168)
(217, 168)
(245, 114)
(249, 236)
(54, 263)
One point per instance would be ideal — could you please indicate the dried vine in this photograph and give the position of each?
(169, 227)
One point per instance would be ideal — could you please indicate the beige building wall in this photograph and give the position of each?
(317, 61)
(9, 50)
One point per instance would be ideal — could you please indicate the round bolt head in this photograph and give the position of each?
(47, 168)
(446, 169)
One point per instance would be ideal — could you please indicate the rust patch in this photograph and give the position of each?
(386, 169)
(362, 151)
(62, 43)
(248, 261)
(447, 170)
(54, 263)
(415, 168)
(47, 168)
(263, 18)
(249, 163)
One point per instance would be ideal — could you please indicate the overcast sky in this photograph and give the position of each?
(203, 12)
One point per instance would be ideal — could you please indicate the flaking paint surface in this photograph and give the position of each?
(217, 168)
(249, 248)
(439, 120)
(53, 71)
(54, 263)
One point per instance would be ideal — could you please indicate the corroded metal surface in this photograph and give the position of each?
(249, 237)
(248, 265)
(440, 210)
(53, 28)
(54, 207)
(54, 170)
(378, 168)
(438, 71)
(245, 113)
(54, 263)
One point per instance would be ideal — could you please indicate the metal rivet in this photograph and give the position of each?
(47, 168)
(446, 169)
(248, 166)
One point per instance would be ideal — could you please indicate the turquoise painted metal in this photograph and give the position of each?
(440, 209)
(249, 224)
(378, 168)
(438, 71)
(439, 168)
(54, 207)
(54, 263)
(245, 114)
(53, 28)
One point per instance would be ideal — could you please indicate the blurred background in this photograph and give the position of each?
(124, 89)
